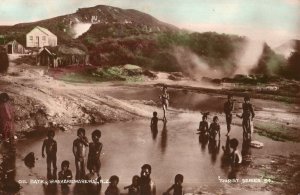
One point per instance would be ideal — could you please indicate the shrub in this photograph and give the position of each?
(4, 63)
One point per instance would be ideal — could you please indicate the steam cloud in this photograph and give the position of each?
(248, 58)
(197, 68)
(193, 65)
(81, 28)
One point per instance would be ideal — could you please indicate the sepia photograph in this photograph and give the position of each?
(150, 97)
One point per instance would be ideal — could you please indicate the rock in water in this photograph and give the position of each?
(29, 160)
(256, 144)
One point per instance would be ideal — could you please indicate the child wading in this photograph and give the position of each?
(95, 149)
(165, 101)
(134, 188)
(228, 109)
(50, 146)
(154, 122)
(177, 186)
(247, 116)
(6, 117)
(214, 128)
(79, 151)
(236, 157)
(203, 126)
(113, 189)
(65, 174)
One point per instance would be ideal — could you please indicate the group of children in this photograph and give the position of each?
(79, 150)
(211, 131)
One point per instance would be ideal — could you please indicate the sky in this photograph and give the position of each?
(274, 21)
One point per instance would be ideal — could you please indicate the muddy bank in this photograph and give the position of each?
(41, 102)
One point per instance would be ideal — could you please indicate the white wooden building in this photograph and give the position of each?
(40, 37)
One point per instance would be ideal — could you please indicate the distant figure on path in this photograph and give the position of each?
(228, 109)
(6, 118)
(79, 151)
(165, 101)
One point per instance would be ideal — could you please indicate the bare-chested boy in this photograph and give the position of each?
(79, 151)
(50, 146)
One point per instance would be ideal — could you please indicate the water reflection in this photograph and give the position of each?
(213, 149)
(246, 152)
(225, 159)
(8, 168)
(164, 136)
(203, 140)
(154, 133)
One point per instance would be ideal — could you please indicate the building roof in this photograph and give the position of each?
(63, 50)
(14, 41)
(44, 30)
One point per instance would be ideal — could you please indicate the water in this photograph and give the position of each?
(175, 149)
(129, 145)
(179, 99)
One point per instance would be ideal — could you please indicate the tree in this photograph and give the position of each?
(4, 63)
(293, 68)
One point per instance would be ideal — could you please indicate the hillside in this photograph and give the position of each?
(64, 26)
(115, 36)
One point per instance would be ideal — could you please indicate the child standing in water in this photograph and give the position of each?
(134, 188)
(79, 151)
(50, 146)
(65, 174)
(236, 157)
(214, 128)
(165, 101)
(247, 116)
(228, 109)
(177, 186)
(154, 122)
(203, 126)
(95, 149)
(113, 189)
